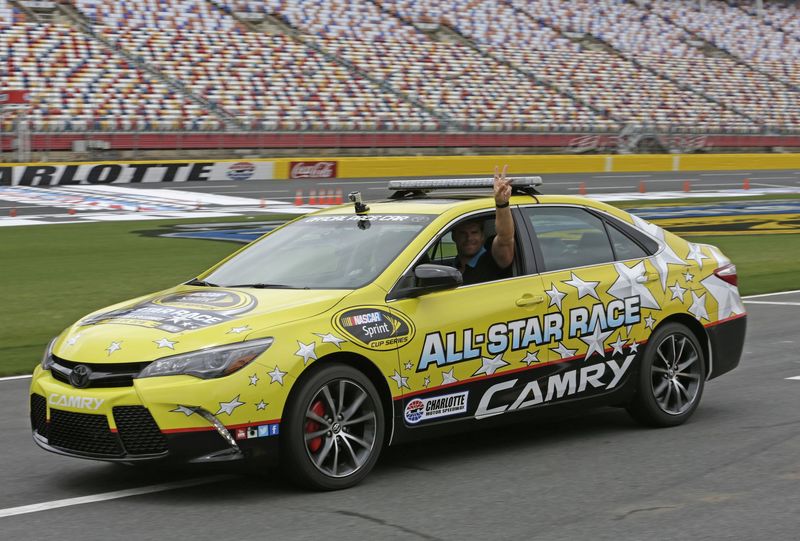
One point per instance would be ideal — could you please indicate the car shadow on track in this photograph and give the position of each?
(262, 479)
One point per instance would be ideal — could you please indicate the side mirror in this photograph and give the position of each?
(427, 279)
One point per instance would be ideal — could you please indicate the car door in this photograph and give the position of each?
(603, 282)
(469, 337)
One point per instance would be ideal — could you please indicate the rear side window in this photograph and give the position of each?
(624, 246)
(569, 237)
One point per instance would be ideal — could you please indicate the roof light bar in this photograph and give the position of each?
(460, 183)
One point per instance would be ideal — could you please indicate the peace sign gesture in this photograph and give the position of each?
(502, 187)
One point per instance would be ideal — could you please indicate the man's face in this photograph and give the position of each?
(468, 238)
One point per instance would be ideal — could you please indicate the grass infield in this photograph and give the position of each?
(53, 275)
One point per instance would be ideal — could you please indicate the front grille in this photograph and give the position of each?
(83, 433)
(103, 374)
(139, 432)
(39, 414)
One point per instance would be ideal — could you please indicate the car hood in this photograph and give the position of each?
(187, 318)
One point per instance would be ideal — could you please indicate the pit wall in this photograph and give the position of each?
(39, 174)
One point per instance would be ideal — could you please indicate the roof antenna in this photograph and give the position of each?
(355, 197)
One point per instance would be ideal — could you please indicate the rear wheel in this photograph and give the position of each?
(671, 378)
(334, 429)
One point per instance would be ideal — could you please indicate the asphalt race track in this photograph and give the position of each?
(731, 472)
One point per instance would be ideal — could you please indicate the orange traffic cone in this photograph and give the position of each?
(298, 198)
(339, 197)
(582, 188)
(686, 186)
(746, 185)
(12, 213)
(312, 197)
(329, 197)
(641, 187)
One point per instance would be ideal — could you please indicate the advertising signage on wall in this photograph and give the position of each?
(122, 173)
(13, 97)
(312, 169)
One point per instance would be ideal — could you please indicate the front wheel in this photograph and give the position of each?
(671, 378)
(334, 429)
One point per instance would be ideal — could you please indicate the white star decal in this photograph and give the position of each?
(649, 322)
(584, 288)
(698, 307)
(306, 351)
(618, 345)
(666, 256)
(276, 375)
(448, 377)
(530, 358)
(651, 228)
(563, 351)
(426, 382)
(331, 339)
(677, 292)
(165, 343)
(696, 254)
(663, 260)
(628, 285)
(409, 365)
(688, 276)
(399, 380)
(238, 330)
(73, 339)
(634, 347)
(228, 407)
(490, 366)
(721, 259)
(115, 346)
(596, 342)
(187, 411)
(254, 379)
(727, 296)
(555, 296)
(261, 405)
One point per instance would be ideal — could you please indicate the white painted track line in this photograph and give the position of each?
(55, 504)
(774, 302)
(771, 294)
(9, 378)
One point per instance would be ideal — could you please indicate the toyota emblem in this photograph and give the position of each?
(80, 376)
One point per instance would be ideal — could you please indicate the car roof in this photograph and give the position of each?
(459, 203)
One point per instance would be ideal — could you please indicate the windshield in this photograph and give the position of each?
(322, 252)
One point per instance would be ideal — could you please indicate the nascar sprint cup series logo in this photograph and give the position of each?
(374, 328)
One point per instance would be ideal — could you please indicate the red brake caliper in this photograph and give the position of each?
(313, 426)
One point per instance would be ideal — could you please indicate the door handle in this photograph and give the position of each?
(645, 278)
(527, 300)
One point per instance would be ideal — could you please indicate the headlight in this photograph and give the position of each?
(47, 358)
(208, 363)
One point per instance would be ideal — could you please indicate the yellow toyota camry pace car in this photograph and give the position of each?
(366, 325)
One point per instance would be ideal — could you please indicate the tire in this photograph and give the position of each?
(671, 378)
(333, 430)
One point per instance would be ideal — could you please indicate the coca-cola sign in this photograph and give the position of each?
(13, 97)
(312, 169)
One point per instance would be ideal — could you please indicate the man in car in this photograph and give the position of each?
(482, 260)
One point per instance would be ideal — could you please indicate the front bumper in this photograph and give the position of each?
(115, 425)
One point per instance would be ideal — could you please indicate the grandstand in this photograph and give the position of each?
(528, 73)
